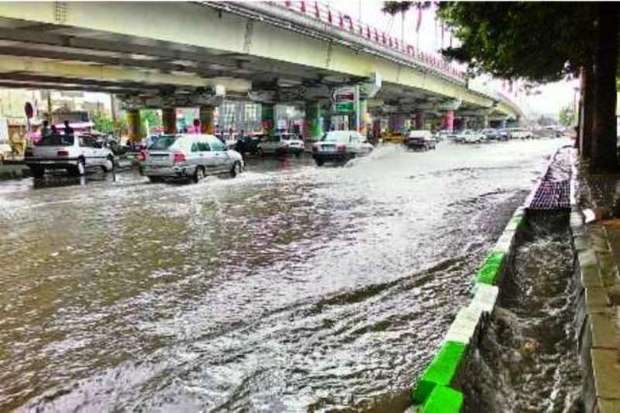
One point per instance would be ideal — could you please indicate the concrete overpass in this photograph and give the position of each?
(167, 55)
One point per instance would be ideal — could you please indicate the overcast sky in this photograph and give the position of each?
(552, 97)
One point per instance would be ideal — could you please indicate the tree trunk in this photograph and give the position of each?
(604, 151)
(587, 89)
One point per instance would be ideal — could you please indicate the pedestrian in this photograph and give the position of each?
(45, 128)
(68, 128)
(54, 130)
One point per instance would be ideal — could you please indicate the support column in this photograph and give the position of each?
(363, 117)
(448, 120)
(169, 120)
(485, 121)
(313, 121)
(205, 112)
(419, 120)
(133, 125)
(268, 117)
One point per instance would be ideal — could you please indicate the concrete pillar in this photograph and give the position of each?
(205, 112)
(268, 117)
(169, 120)
(133, 125)
(313, 121)
(419, 120)
(502, 124)
(448, 120)
(364, 116)
(485, 121)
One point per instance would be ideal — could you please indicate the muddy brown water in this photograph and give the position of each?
(290, 288)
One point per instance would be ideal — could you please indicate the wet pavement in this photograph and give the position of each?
(289, 288)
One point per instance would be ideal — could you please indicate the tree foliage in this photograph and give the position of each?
(567, 116)
(539, 42)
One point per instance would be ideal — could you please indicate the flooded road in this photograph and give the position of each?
(290, 288)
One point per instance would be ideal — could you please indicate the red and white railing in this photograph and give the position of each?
(324, 13)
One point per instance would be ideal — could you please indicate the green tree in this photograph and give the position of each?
(542, 42)
(150, 116)
(103, 122)
(567, 116)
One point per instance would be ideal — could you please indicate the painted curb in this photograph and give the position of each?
(432, 392)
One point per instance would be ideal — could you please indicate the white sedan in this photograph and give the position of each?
(470, 136)
(74, 153)
(282, 144)
(340, 146)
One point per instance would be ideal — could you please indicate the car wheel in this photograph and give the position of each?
(37, 172)
(155, 179)
(108, 166)
(319, 161)
(199, 174)
(236, 169)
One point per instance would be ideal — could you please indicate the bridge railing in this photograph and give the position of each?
(325, 14)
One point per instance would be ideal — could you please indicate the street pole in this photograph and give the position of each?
(357, 108)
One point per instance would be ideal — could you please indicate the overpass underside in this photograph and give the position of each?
(187, 54)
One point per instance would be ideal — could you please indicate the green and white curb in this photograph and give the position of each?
(436, 390)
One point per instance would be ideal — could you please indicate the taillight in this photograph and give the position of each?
(142, 156)
(178, 157)
(341, 148)
(62, 153)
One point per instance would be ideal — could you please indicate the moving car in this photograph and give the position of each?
(249, 144)
(189, 157)
(282, 144)
(341, 146)
(520, 133)
(420, 140)
(74, 153)
(470, 136)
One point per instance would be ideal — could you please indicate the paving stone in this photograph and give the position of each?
(596, 300)
(608, 406)
(590, 277)
(606, 371)
(604, 332)
(580, 243)
(587, 258)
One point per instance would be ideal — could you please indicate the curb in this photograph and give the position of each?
(434, 391)
(595, 323)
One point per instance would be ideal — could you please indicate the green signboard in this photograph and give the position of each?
(345, 107)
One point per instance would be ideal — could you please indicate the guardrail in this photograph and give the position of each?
(323, 13)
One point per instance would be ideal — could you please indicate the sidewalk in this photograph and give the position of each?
(598, 256)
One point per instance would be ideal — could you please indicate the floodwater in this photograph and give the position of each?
(289, 288)
(527, 359)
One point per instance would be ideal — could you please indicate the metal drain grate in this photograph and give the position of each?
(551, 195)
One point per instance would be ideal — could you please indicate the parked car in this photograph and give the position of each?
(74, 153)
(282, 144)
(420, 140)
(340, 146)
(470, 136)
(491, 134)
(521, 133)
(189, 157)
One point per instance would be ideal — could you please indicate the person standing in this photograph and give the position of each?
(68, 128)
(45, 129)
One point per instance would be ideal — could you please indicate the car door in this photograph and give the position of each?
(87, 150)
(220, 160)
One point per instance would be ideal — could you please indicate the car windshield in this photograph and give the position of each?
(56, 140)
(162, 142)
